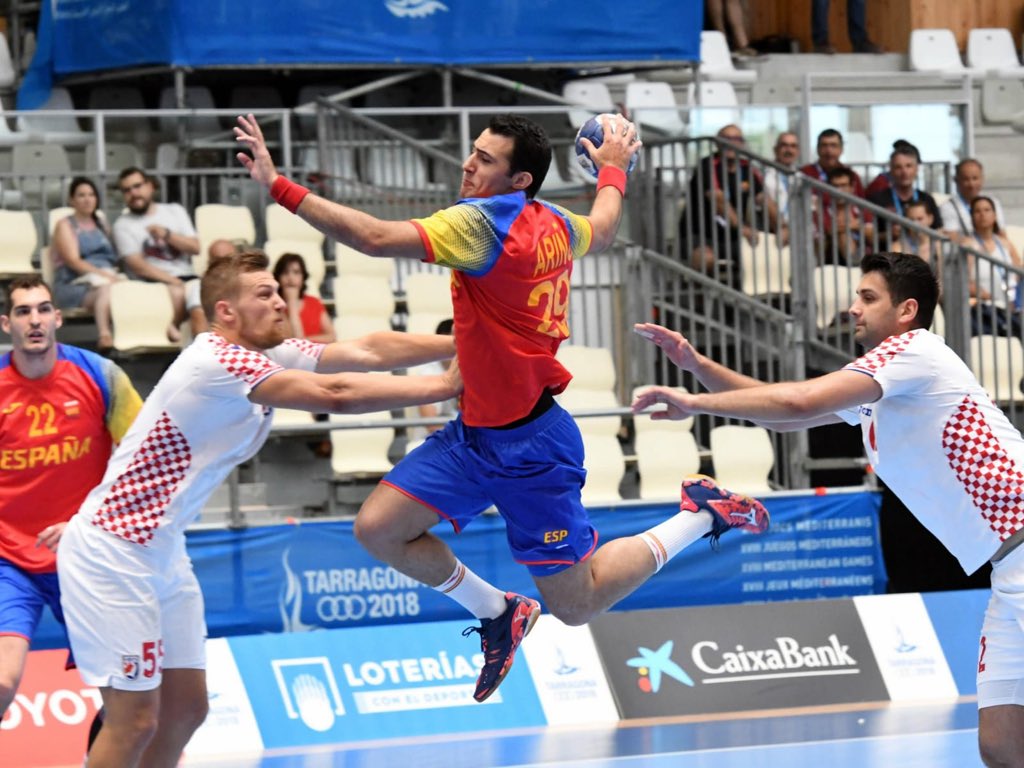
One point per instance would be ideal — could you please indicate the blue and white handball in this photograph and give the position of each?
(592, 130)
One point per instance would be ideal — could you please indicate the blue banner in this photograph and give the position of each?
(294, 578)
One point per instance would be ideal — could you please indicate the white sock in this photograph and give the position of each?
(668, 539)
(473, 593)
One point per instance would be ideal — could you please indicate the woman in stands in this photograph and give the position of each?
(307, 314)
(992, 287)
(85, 260)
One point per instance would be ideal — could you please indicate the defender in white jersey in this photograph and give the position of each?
(132, 602)
(931, 433)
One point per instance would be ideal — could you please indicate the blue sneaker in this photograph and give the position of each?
(728, 510)
(499, 639)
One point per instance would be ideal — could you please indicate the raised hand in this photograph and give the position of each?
(260, 165)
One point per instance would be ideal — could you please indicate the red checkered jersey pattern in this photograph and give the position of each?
(248, 365)
(989, 475)
(873, 361)
(137, 500)
(305, 347)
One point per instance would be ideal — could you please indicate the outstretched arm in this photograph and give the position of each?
(713, 376)
(385, 351)
(365, 233)
(786, 405)
(619, 144)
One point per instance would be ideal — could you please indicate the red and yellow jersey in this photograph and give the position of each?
(511, 260)
(56, 435)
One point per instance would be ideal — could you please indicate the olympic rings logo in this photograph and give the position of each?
(341, 608)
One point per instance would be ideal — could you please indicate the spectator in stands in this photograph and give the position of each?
(721, 11)
(856, 27)
(218, 249)
(132, 602)
(830, 152)
(846, 232)
(883, 181)
(726, 201)
(307, 315)
(156, 241)
(776, 183)
(926, 243)
(61, 411)
(931, 434)
(85, 260)
(956, 212)
(991, 287)
(903, 168)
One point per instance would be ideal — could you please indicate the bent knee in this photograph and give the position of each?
(572, 615)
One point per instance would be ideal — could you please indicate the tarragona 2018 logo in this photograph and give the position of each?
(414, 8)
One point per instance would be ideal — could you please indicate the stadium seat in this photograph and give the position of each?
(18, 242)
(364, 295)
(1002, 99)
(606, 466)
(713, 104)
(397, 166)
(743, 458)
(766, 267)
(349, 261)
(140, 313)
(716, 59)
(116, 155)
(288, 417)
(116, 97)
(593, 98)
(998, 363)
(991, 50)
(428, 292)
(282, 225)
(196, 97)
(936, 51)
(578, 399)
(359, 452)
(663, 459)
(1015, 234)
(591, 367)
(8, 73)
(857, 148)
(41, 173)
(216, 221)
(834, 289)
(312, 254)
(59, 129)
(653, 105)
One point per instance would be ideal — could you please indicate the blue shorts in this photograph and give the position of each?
(533, 474)
(23, 596)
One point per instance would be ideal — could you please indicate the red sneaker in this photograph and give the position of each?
(499, 639)
(728, 510)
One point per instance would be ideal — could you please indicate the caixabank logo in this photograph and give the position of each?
(733, 658)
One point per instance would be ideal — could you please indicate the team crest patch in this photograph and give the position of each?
(71, 408)
(130, 667)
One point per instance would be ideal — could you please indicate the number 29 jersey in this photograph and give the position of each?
(512, 262)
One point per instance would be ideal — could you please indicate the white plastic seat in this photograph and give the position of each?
(56, 128)
(591, 367)
(605, 467)
(312, 254)
(282, 225)
(116, 155)
(858, 148)
(41, 172)
(196, 97)
(397, 166)
(765, 268)
(425, 322)
(216, 221)
(713, 104)
(351, 326)
(18, 242)
(140, 313)
(743, 458)
(349, 261)
(290, 417)
(716, 59)
(305, 103)
(834, 290)
(593, 98)
(653, 104)
(8, 73)
(361, 451)
(939, 322)
(363, 295)
(1002, 98)
(577, 399)
(428, 292)
(1015, 234)
(936, 51)
(998, 363)
(663, 459)
(55, 215)
(992, 50)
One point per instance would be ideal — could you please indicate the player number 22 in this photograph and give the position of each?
(43, 418)
(554, 296)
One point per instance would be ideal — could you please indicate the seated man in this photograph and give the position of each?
(725, 201)
(776, 182)
(844, 228)
(956, 212)
(903, 167)
(156, 241)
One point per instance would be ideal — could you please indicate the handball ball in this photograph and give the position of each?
(592, 130)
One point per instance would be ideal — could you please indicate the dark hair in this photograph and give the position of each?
(991, 202)
(220, 281)
(131, 169)
(285, 261)
(904, 147)
(828, 133)
(839, 170)
(531, 150)
(22, 283)
(907, 276)
(967, 161)
(444, 328)
(79, 181)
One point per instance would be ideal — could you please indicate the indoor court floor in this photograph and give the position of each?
(849, 736)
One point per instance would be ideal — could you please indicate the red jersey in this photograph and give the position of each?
(511, 260)
(56, 435)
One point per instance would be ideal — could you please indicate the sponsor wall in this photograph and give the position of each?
(295, 690)
(296, 578)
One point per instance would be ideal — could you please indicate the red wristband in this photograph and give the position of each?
(287, 193)
(610, 176)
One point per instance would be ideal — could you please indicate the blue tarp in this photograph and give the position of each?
(90, 35)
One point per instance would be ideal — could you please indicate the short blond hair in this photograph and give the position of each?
(220, 282)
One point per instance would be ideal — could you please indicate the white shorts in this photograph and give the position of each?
(131, 611)
(192, 294)
(1001, 649)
